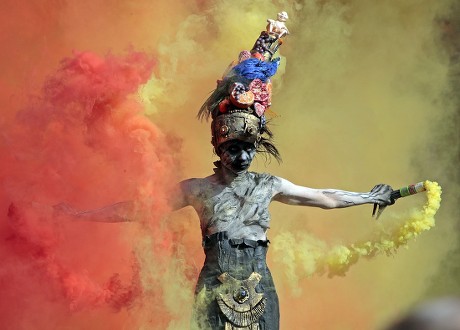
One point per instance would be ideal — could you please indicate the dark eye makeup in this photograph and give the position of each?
(238, 146)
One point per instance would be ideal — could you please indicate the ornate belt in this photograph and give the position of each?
(240, 303)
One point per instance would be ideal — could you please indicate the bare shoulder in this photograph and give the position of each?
(194, 187)
(268, 182)
(190, 186)
(264, 178)
(283, 187)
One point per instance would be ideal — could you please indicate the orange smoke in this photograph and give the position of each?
(82, 141)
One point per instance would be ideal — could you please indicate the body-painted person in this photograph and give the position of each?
(235, 289)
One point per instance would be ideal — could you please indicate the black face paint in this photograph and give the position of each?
(237, 155)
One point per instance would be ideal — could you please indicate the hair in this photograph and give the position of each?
(266, 145)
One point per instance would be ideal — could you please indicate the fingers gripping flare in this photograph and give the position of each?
(382, 194)
(380, 210)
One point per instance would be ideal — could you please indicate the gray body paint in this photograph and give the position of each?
(239, 208)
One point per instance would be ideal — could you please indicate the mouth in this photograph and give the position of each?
(239, 167)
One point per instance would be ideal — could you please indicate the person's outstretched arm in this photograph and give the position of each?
(118, 212)
(121, 211)
(292, 194)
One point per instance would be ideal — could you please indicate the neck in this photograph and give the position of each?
(228, 176)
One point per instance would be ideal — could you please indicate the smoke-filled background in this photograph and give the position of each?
(98, 104)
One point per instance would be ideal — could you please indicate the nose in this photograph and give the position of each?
(244, 156)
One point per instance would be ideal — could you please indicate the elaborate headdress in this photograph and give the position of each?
(238, 104)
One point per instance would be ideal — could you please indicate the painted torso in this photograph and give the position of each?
(240, 208)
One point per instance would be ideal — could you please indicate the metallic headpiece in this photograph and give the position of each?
(235, 126)
(238, 104)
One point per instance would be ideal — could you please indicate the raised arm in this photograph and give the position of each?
(292, 194)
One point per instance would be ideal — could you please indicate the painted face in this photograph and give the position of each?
(237, 155)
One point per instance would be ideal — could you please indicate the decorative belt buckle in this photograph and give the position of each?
(239, 301)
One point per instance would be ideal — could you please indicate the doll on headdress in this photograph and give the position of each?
(278, 27)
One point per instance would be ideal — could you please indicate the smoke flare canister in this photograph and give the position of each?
(408, 190)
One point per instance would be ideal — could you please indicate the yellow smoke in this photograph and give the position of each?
(303, 255)
(356, 76)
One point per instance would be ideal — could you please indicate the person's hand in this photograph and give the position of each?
(381, 197)
(381, 194)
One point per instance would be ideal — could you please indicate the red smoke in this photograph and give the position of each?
(83, 141)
